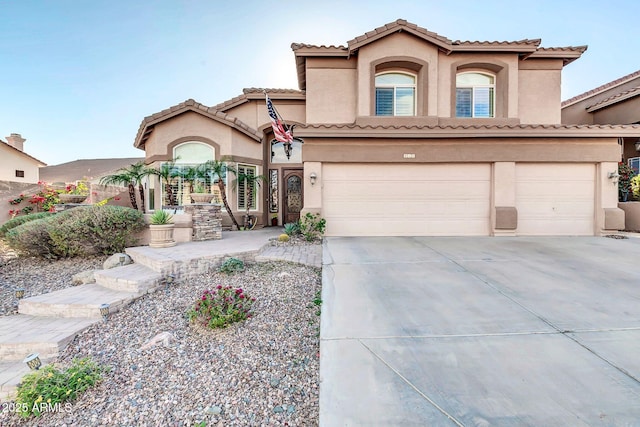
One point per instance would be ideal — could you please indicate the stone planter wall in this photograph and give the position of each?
(206, 220)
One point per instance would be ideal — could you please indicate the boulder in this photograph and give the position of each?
(114, 261)
(84, 277)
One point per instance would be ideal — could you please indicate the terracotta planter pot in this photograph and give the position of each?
(72, 198)
(201, 197)
(161, 236)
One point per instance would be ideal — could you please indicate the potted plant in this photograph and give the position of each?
(161, 228)
(74, 193)
(274, 220)
(200, 194)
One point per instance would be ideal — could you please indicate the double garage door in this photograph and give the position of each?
(453, 199)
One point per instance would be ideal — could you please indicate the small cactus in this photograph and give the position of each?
(283, 238)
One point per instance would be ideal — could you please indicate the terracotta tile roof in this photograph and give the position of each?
(614, 99)
(333, 48)
(531, 42)
(40, 163)
(398, 25)
(601, 88)
(470, 130)
(258, 93)
(148, 123)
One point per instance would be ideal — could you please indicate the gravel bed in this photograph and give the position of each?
(37, 275)
(260, 372)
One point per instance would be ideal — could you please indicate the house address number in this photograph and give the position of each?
(409, 156)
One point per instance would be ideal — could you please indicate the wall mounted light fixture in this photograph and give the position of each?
(312, 178)
(613, 176)
(637, 144)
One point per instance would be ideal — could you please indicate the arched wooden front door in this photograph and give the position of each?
(293, 195)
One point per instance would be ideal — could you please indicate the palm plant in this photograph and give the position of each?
(167, 172)
(218, 170)
(189, 175)
(130, 177)
(250, 181)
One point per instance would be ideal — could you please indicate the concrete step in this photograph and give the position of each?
(11, 374)
(129, 278)
(76, 301)
(21, 335)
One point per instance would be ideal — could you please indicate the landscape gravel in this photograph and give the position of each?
(260, 372)
(37, 275)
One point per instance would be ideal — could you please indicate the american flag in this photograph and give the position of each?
(279, 131)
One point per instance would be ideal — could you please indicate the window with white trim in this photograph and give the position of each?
(475, 95)
(395, 94)
(244, 187)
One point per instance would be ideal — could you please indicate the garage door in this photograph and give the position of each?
(555, 199)
(406, 200)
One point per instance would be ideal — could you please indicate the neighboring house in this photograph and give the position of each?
(15, 164)
(407, 132)
(616, 102)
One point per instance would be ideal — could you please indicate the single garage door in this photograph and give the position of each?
(555, 199)
(406, 200)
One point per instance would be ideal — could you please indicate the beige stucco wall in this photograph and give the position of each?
(626, 112)
(331, 93)
(196, 127)
(11, 160)
(539, 91)
(399, 46)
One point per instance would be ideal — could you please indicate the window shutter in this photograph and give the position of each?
(384, 101)
(463, 102)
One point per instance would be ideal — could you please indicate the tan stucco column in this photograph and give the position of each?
(504, 216)
(312, 192)
(609, 218)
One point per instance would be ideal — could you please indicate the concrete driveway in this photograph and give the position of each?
(425, 331)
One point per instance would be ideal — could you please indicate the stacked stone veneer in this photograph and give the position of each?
(206, 220)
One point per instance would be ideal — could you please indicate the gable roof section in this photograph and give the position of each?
(614, 99)
(467, 131)
(149, 122)
(526, 48)
(22, 153)
(254, 93)
(598, 90)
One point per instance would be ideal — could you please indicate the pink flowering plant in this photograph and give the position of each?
(220, 307)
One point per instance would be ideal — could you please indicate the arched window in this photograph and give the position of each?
(475, 95)
(395, 94)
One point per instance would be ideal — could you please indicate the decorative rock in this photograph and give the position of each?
(214, 410)
(291, 409)
(163, 337)
(274, 382)
(83, 277)
(278, 409)
(114, 261)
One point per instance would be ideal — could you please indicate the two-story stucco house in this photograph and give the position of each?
(407, 132)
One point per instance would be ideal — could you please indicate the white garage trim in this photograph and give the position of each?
(406, 199)
(555, 199)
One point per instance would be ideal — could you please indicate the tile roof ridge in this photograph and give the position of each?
(296, 46)
(622, 94)
(534, 42)
(600, 88)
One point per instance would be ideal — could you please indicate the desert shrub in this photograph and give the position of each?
(79, 231)
(19, 220)
(292, 228)
(312, 226)
(32, 238)
(95, 229)
(220, 307)
(232, 265)
(48, 387)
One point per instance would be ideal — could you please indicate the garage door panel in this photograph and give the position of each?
(555, 199)
(405, 200)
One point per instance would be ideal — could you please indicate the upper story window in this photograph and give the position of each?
(395, 94)
(475, 95)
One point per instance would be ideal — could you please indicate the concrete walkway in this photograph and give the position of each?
(47, 323)
(480, 332)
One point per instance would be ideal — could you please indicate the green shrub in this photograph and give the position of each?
(312, 226)
(79, 231)
(19, 220)
(231, 265)
(292, 228)
(41, 390)
(221, 307)
(32, 238)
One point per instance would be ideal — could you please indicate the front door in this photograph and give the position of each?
(292, 194)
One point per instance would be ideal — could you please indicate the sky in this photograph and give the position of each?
(77, 77)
